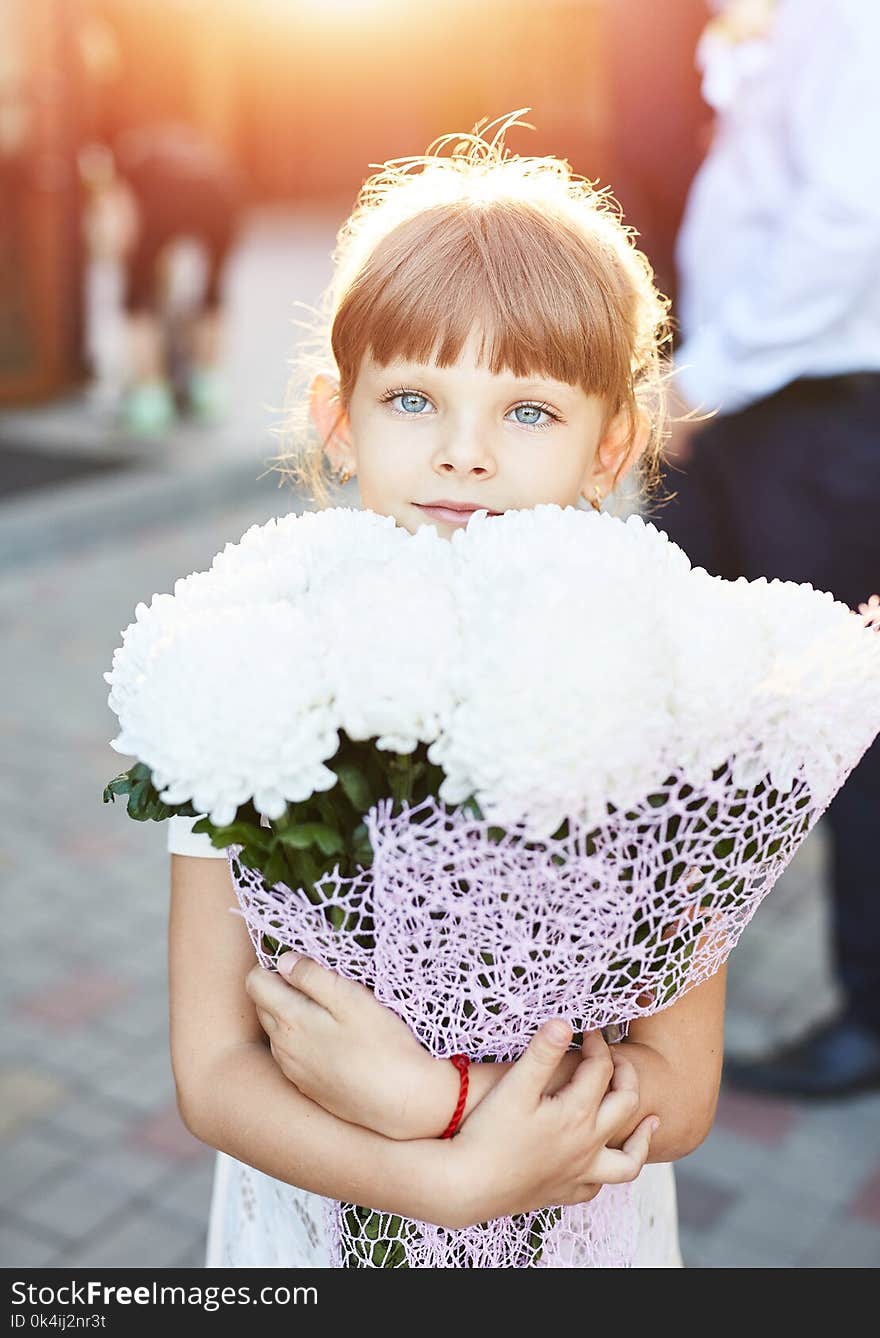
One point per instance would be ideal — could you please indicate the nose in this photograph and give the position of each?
(465, 451)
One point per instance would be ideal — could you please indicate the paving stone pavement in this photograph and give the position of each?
(96, 1168)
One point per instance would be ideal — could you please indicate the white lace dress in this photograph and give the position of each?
(257, 1221)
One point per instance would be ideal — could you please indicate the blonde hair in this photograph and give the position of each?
(538, 257)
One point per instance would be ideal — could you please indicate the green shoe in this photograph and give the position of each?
(149, 409)
(206, 396)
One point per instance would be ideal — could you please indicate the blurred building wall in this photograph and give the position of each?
(41, 308)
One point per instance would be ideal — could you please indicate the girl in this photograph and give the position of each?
(495, 340)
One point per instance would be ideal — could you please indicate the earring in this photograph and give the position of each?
(596, 499)
(344, 477)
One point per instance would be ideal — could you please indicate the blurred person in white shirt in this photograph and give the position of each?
(779, 305)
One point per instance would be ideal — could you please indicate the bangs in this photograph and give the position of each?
(546, 299)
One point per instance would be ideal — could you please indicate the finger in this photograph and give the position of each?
(280, 1059)
(626, 1078)
(639, 1142)
(530, 1073)
(268, 1021)
(616, 1168)
(327, 988)
(592, 1077)
(616, 1114)
(620, 1105)
(594, 1045)
(269, 991)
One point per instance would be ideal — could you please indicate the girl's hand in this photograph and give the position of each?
(347, 1052)
(358, 1059)
(522, 1150)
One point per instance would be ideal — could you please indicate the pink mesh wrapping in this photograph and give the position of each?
(599, 1234)
(479, 935)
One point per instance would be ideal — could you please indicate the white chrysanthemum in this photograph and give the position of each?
(274, 561)
(390, 635)
(561, 706)
(282, 558)
(315, 542)
(230, 706)
(818, 707)
(222, 688)
(718, 649)
(774, 676)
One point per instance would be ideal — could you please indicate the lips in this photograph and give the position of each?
(453, 513)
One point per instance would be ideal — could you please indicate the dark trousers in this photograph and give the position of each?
(790, 488)
(172, 206)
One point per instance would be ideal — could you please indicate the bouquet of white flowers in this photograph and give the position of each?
(543, 768)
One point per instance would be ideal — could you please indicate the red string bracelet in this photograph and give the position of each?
(461, 1062)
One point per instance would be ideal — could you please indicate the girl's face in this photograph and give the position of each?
(416, 434)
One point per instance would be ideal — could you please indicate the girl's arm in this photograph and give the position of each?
(678, 1055)
(232, 1095)
(521, 1150)
(352, 1055)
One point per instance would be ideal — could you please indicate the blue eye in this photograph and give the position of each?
(530, 415)
(411, 401)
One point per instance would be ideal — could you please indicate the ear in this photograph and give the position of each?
(620, 447)
(331, 421)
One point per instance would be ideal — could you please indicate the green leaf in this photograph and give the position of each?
(328, 840)
(236, 834)
(307, 834)
(355, 785)
(472, 808)
(311, 869)
(275, 868)
(145, 805)
(144, 802)
(119, 785)
(333, 813)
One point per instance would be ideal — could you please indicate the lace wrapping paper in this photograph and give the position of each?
(474, 935)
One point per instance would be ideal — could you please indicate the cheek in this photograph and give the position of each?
(387, 466)
(553, 473)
